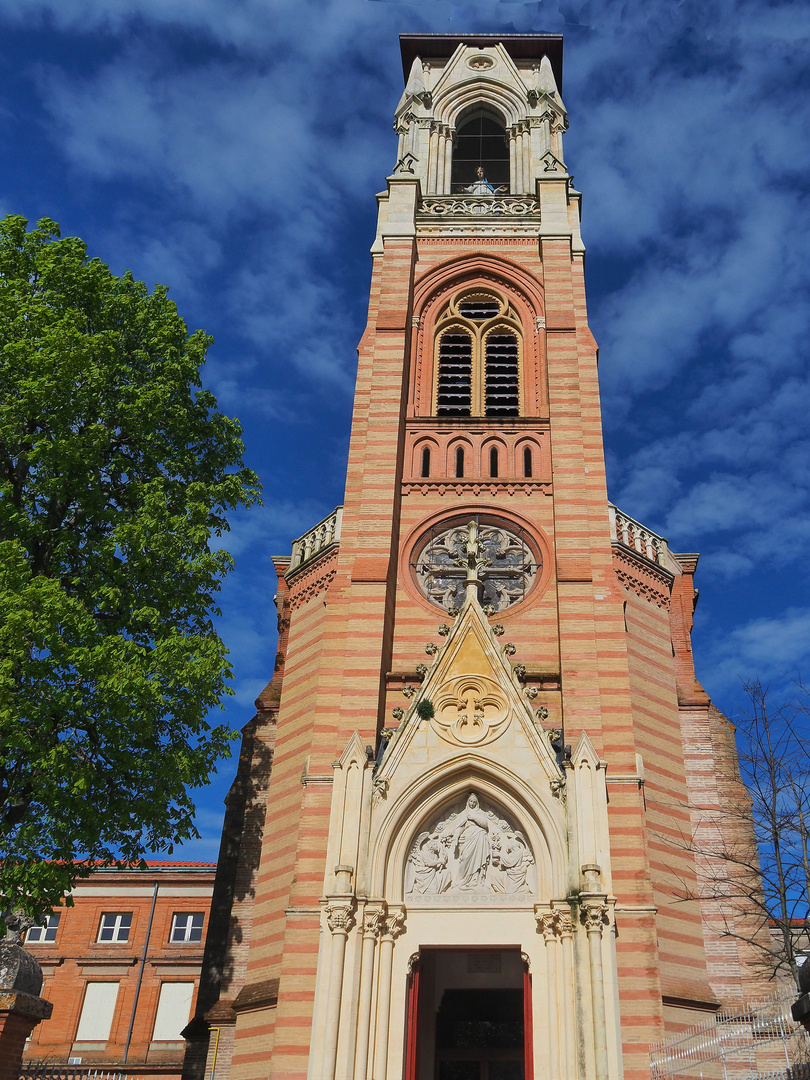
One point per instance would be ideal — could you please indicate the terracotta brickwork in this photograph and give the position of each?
(133, 970)
(596, 647)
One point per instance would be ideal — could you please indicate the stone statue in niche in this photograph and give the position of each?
(471, 845)
(471, 850)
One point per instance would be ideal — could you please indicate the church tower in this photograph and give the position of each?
(471, 859)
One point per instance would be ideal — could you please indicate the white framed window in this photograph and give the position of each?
(173, 1011)
(98, 1010)
(187, 926)
(46, 931)
(115, 926)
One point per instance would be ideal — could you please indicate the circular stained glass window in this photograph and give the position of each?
(506, 565)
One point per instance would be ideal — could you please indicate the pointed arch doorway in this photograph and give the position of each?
(469, 1015)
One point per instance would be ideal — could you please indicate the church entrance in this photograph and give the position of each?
(469, 1016)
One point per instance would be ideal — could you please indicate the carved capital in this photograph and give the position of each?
(565, 923)
(373, 922)
(340, 918)
(548, 924)
(594, 917)
(394, 924)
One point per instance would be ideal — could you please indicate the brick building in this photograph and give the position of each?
(458, 846)
(122, 968)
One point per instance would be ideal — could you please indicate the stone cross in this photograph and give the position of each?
(473, 560)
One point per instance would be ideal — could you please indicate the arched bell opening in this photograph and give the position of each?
(480, 155)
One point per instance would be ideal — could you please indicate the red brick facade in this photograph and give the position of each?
(155, 905)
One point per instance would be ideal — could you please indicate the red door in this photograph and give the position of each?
(411, 1034)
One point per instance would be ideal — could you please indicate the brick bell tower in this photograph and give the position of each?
(485, 731)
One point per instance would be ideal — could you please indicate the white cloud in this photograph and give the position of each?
(774, 649)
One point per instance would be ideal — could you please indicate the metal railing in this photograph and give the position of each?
(633, 534)
(314, 541)
(47, 1070)
(733, 1036)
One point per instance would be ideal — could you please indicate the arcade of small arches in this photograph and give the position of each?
(475, 456)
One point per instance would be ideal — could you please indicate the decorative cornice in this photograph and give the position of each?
(477, 487)
(641, 576)
(315, 578)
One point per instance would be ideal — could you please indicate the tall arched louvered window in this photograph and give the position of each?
(454, 396)
(478, 357)
(501, 373)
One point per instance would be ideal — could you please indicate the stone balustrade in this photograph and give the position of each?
(479, 204)
(317, 538)
(625, 530)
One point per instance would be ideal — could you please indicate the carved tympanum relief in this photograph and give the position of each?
(471, 853)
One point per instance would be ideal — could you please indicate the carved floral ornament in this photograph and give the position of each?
(480, 62)
(471, 709)
(340, 918)
(471, 854)
(554, 924)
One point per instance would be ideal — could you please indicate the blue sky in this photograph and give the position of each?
(231, 149)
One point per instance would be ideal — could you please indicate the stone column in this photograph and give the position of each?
(393, 926)
(549, 924)
(448, 160)
(341, 919)
(514, 183)
(525, 157)
(594, 917)
(433, 159)
(373, 922)
(21, 1007)
(568, 1003)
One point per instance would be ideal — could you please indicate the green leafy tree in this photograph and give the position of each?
(116, 469)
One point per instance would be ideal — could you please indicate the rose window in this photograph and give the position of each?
(505, 565)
